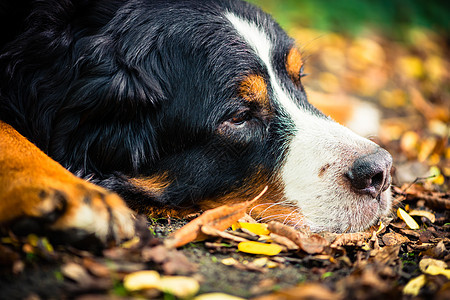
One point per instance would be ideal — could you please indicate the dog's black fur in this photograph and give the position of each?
(120, 89)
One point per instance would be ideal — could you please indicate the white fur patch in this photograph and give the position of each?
(324, 198)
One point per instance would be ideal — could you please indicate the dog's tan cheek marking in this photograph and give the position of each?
(271, 206)
(154, 185)
(254, 89)
(294, 64)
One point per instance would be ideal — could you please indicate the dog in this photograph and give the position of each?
(169, 108)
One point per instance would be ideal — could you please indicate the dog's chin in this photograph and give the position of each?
(365, 212)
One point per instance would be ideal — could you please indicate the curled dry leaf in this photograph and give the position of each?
(351, 238)
(284, 241)
(287, 231)
(211, 231)
(314, 244)
(402, 214)
(423, 213)
(392, 238)
(219, 218)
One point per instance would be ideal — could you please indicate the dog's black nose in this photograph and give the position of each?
(370, 174)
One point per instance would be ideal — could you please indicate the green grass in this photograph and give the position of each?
(351, 17)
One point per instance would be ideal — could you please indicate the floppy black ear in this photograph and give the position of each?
(106, 122)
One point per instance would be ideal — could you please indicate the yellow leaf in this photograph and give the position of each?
(217, 296)
(407, 218)
(380, 228)
(423, 213)
(229, 261)
(414, 285)
(141, 280)
(260, 262)
(256, 228)
(427, 262)
(434, 267)
(130, 243)
(180, 286)
(259, 248)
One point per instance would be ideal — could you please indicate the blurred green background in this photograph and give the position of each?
(392, 17)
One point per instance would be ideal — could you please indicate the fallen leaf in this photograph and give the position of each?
(179, 286)
(229, 261)
(423, 213)
(434, 267)
(407, 218)
(211, 231)
(287, 231)
(353, 238)
(259, 248)
(284, 241)
(256, 228)
(76, 273)
(393, 238)
(314, 291)
(435, 270)
(414, 285)
(217, 296)
(219, 218)
(141, 280)
(313, 244)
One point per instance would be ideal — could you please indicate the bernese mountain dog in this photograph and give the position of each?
(110, 107)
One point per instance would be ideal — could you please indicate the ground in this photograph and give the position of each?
(408, 84)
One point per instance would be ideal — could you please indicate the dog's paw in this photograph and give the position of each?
(74, 210)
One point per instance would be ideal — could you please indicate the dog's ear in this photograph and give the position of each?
(108, 111)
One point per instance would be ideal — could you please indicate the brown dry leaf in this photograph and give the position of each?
(287, 231)
(385, 255)
(220, 218)
(171, 260)
(284, 241)
(211, 231)
(302, 292)
(76, 273)
(353, 238)
(393, 238)
(313, 244)
(96, 268)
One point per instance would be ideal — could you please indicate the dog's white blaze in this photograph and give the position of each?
(317, 141)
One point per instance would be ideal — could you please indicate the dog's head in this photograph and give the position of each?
(201, 103)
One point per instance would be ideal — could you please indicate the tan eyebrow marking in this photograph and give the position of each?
(294, 64)
(254, 89)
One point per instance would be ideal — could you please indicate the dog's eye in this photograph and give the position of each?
(240, 118)
(302, 73)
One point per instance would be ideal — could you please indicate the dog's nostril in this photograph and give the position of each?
(370, 174)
